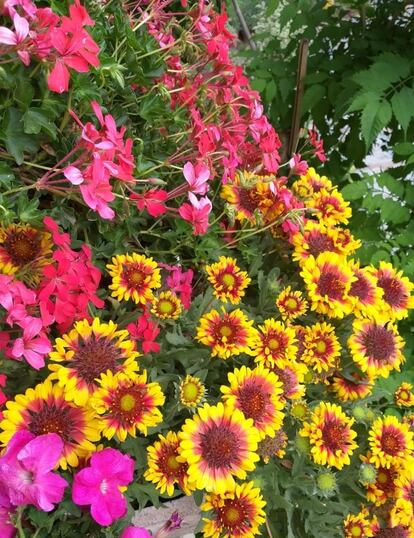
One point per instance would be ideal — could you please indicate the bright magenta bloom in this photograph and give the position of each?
(25, 470)
(98, 485)
(135, 532)
(197, 213)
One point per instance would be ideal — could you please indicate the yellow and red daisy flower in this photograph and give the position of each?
(404, 396)
(191, 392)
(227, 279)
(397, 298)
(310, 183)
(358, 525)
(404, 483)
(275, 341)
(166, 306)
(383, 488)
(125, 403)
(257, 394)
(227, 334)
(291, 304)
(218, 444)
(364, 292)
(291, 374)
(237, 513)
(45, 409)
(402, 514)
(330, 435)
(250, 196)
(24, 251)
(299, 410)
(134, 276)
(390, 441)
(351, 388)
(88, 351)
(321, 347)
(275, 446)
(376, 347)
(328, 279)
(330, 207)
(164, 466)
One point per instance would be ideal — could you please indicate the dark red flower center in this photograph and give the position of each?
(168, 463)
(247, 199)
(391, 442)
(134, 275)
(334, 435)
(129, 403)
(219, 446)
(288, 379)
(232, 514)
(379, 343)
(394, 292)
(253, 402)
(360, 288)
(22, 247)
(94, 357)
(52, 419)
(319, 242)
(331, 285)
(396, 532)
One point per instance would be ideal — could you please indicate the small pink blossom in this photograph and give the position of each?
(33, 346)
(26, 470)
(297, 166)
(197, 213)
(74, 175)
(145, 330)
(16, 38)
(197, 177)
(153, 201)
(98, 485)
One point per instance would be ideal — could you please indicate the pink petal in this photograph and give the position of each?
(58, 79)
(77, 63)
(112, 463)
(86, 484)
(112, 506)
(74, 175)
(22, 27)
(48, 491)
(42, 453)
(189, 173)
(7, 37)
(36, 360)
(24, 56)
(98, 111)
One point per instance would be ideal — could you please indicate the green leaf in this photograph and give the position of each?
(395, 186)
(258, 84)
(393, 211)
(6, 175)
(17, 142)
(36, 120)
(362, 99)
(403, 107)
(312, 96)
(374, 118)
(404, 148)
(355, 190)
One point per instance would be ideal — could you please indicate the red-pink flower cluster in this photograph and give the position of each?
(62, 43)
(67, 288)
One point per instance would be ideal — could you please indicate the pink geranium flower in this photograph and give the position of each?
(33, 345)
(197, 213)
(197, 177)
(145, 330)
(153, 201)
(297, 166)
(25, 470)
(16, 38)
(98, 485)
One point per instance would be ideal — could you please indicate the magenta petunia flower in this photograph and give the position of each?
(98, 485)
(25, 470)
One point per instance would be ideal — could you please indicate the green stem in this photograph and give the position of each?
(19, 189)
(18, 522)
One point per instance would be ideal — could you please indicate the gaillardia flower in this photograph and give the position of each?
(330, 435)
(311, 182)
(218, 444)
(328, 279)
(134, 276)
(275, 446)
(376, 347)
(24, 251)
(390, 441)
(351, 388)
(88, 351)
(358, 525)
(396, 289)
(383, 488)
(275, 341)
(257, 394)
(166, 306)
(237, 513)
(164, 466)
(321, 347)
(404, 396)
(291, 373)
(230, 333)
(291, 304)
(227, 279)
(364, 292)
(330, 207)
(126, 403)
(191, 392)
(45, 409)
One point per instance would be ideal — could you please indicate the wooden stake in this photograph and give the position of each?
(300, 78)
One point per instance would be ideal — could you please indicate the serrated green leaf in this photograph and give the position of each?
(362, 99)
(393, 211)
(17, 141)
(374, 118)
(395, 186)
(354, 190)
(312, 96)
(403, 107)
(36, 120)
